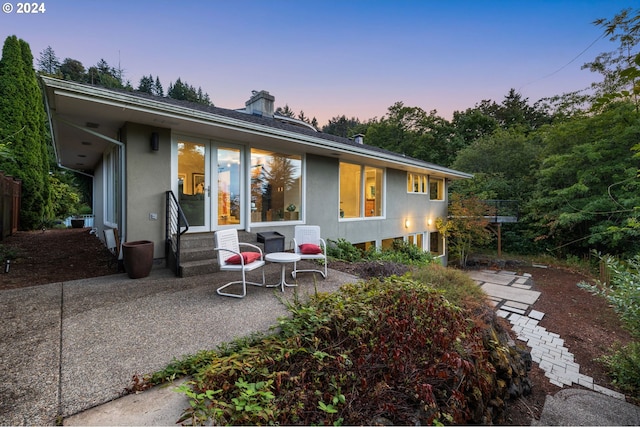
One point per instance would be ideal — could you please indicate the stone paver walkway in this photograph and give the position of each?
(512, 298)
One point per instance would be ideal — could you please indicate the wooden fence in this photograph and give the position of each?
(10, 193)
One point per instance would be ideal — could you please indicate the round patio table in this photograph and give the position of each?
(282, 258)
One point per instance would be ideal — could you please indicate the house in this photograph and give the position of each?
(248, 169)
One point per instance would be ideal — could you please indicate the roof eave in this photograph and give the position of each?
(190, 114)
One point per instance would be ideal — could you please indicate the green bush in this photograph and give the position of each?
(622, 290)
(343, 250)
(401, 252)
(7, 253)
(624, 366)
(393, 349)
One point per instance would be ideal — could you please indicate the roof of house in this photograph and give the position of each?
(74, 108)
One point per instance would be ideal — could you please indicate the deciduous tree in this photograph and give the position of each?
(466, 226)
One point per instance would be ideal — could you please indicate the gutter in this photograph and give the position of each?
(122, 160)
(109, 97)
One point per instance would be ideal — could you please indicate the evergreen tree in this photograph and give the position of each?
(341, 126)
(22, 126)
(157, 88)
(48, 63)
(146, 84)
(186, 92)
(104, 75)
(285, 112)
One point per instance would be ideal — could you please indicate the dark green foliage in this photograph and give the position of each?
(342, 126)
(48, 63)
(186, 92)
(22, 126)
(587, 189)
(505, 162)
(104, 75)
(342, 249)
(622, 290)
(391, 350)
(401, 252)
(415, 133)
(285, 111)
(146, 85)
(7, 253)
(73, 70)
(624, 366)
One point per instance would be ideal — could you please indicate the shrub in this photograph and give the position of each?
(382, 351)
(622, 290)
(7, 253)
(343, 250)
(624, 366)
(401, 252)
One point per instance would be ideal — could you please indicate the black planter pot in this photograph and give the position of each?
(138, 258)
(77, 223)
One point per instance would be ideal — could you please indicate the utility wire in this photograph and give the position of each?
(565, 65)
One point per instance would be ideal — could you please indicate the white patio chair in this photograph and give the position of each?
(228, 246)
(310, 235)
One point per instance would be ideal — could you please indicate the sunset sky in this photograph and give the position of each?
(330, 58)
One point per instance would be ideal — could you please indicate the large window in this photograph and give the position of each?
(360, 191)
(276, 186)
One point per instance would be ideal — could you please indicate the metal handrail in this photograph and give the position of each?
(176, 225)
(502, 209)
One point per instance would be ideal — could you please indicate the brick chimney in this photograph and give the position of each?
(260, 104)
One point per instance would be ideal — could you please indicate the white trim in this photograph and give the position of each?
(160, 108)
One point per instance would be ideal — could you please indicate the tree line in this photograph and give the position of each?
(571, 161)
(102, 74)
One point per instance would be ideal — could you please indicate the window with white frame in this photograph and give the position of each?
(361, 191)
(416, 240)
(416, 183)
(112, 186)
(436, 188)
(276, 186)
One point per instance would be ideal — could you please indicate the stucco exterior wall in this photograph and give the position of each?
(322, 207)
(148, 176)
(98, 200)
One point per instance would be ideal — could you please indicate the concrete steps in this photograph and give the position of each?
(197, 254)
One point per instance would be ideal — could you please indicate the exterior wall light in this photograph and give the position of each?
(406, 223)
(155, 141)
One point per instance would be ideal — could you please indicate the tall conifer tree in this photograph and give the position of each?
(22, 126)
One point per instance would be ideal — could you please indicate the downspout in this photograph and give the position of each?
(123, 223)
(53, 143)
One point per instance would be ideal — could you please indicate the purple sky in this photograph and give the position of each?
(330, 58)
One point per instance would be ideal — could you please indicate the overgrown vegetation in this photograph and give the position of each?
(395, 350)
(622, 290)
(7, 253)
(400, 252)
